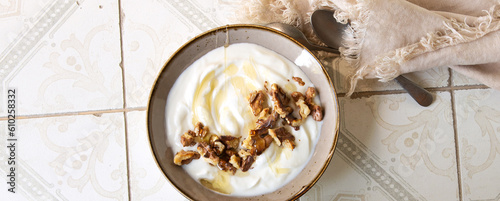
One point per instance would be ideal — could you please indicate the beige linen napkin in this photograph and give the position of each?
(387, 38)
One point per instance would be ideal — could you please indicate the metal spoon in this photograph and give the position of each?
(330, 31)
(299, 37)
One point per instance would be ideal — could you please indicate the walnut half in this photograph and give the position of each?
(185, 157)
(257, 100)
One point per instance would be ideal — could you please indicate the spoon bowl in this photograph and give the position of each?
(322, 20)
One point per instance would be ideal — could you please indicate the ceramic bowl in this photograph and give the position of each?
(270, 39)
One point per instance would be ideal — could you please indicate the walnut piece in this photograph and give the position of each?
(231, 152)
(299, 80)
(201, 130)
(282, 137)
(317, 113)
(257, 100)
(225, 165)
(257, 142)
(246, 164)
(212, 139)
(304, 110)
(300, 101)
(208, 153)
(188, 138)
(292, 121)
(216, 145)
(243, 153)
(247, 160)
(185, 157)
(310, 93)
(235, 161)
(297, 95)
(266, 119)
(280, 100)
(316, 110)
(231, 142)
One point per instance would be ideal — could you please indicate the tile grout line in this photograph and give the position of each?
(455, 133)
(76, 113)
(457, 149)
(365, 94)
(127, 156)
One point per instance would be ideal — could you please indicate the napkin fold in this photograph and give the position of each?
(386, 38)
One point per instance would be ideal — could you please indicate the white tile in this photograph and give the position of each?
(68, 158)
(462, 80)
(342, 181)
(218, 11)
(68, 60)
(478, 128)
(341, 72)
(147, 182)
(150, 38)
(434, 77)
(16, 16)
(390, 148)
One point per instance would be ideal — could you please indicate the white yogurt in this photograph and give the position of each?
(213, 91)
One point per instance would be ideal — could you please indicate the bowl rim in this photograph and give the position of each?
(251, 26)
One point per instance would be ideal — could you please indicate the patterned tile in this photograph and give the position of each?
(218, 11)
(150, 38)
(13, 14)
(478, 128)
(462, 80)
(68, 158)
(58, 67)
(389, 148)
(147, 182)
(435, 77)
(342, 181)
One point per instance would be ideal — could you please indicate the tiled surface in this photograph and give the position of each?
(388, 149)
(148, 41)
(478, 120)
(147, 182)
(81, 118)
(147, 44)
(68, 158)
(69, 68)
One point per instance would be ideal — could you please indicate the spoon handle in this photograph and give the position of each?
(422, 96)
(321, 48)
